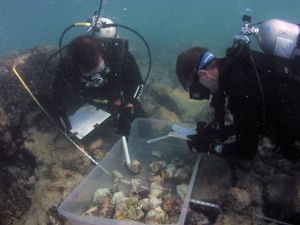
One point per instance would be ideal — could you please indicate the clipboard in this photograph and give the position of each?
(86, 119)
(177, 131)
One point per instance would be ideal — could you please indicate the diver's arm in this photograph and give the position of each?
(133, 82)
(132, 88)
(237, 141)
(247, 128)
(59, 86)
(207, 140)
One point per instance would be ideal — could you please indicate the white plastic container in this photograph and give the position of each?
(142, 130)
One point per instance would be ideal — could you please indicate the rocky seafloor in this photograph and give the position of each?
(39, 167)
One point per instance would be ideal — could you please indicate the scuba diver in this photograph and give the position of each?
(100, 70)
(261, 91)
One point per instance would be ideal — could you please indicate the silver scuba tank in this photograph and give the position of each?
(278, 37)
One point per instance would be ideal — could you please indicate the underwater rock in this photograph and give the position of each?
(235, 219)
(194, 218)
(129, 209)
(172, 205)
(168, 172)
(106, 211)
(54, 217)
(157, 190)
(137, 189)
(13, 98)
(237, 200)
(177, 161)
(150, 203)
(98, 154)
(282, 198)
(117, 176)
(252, 184)
(182, 190)
(174, 104)
(97, 144)
(156, 216)
(157, 154)
(15, 103)
(263, 169)
(136, 185)
(154, 178)
(135, 167)
(96, 149)
(78, 164)
(102, 196)
(156, 166)
(13, 201)
(213, 179)
(117, 197)
(181, 174)
(91, 211)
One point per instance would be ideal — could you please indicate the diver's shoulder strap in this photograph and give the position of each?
(113, 51)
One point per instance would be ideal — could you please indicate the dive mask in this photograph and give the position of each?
(198, 91)
(97, 77)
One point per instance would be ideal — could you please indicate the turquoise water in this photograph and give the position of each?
(168, 25)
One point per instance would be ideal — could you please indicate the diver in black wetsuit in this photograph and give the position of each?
(261, 92)
(98, 70)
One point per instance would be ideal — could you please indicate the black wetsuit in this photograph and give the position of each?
(275, 113)
(121, 80)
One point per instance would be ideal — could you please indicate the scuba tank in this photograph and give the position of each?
(279, 37)
(275, 37)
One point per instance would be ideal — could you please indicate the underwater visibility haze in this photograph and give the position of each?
(167, 25)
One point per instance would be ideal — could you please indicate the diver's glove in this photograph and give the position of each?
(65, 123)
(59, 117)
(206, 131)
(126, 116)
(201, 142)
(62, 120)
(197, 143)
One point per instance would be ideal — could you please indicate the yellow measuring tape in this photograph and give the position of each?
(32, 95)
(53, 121)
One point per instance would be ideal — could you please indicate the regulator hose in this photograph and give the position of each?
(86, 24)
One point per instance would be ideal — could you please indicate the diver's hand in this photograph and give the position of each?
(126, 116)
(206, 131)
(196, 143)
(200, 142)
(64, 123)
